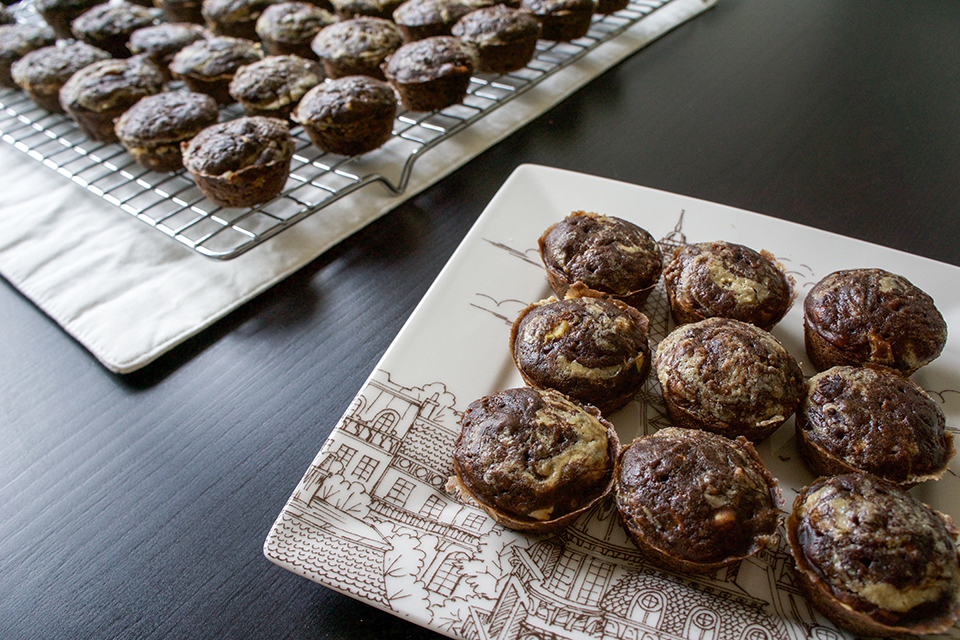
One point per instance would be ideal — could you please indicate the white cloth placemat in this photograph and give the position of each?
(128, 293)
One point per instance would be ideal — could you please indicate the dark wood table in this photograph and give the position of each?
(136, 506)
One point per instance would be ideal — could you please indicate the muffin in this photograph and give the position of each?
(419, 19)
(288, 28)
(695, 501)
(861, 316)
(348, 116)
(151, 130)
(349, 9)
(872, 419)
(356, 47)
(163, 41)
(533, 460)
(728, 377)
(42, 73)
(607, 254)
(208, 66)
(234, 18)
(181, 10)
(727, 280)
(430, 74)
(99, 93)
(592, 349)
(273, 86)
(16, 41)
(60, 13)
(873, 559)
(108, 26)
(562, 20)
(242, 162)
(505, 39)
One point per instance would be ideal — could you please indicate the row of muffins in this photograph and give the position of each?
(696, 496)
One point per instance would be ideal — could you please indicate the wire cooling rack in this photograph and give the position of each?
(171, 202)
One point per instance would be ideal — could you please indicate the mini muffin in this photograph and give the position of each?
(42, 73)
(562, 20)
(273, 86)
(861, 316)
(419, 19)
(430, 74)
(872, 419)
(234, 18)
(356, 47)
(727, 280)
(593, 349)
(242, 162)
(606, 254)
(163, 41)
(108, 26)
(729, 377)
(16, 41)
(99, 93)
(152, 130)
(208, 65)
(873, 559)
(289, 27)
(349, 9)
(695, 501)
(505, 38)
(533, 460)
(349, 115)
(60, 13)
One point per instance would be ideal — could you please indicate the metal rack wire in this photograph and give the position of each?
(171, 202)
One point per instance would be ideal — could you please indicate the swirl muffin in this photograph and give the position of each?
(16, 41)
(505, 38)
(356, 47)
(288, 28)
(695, 501)
(273, 86)
(723, 279)
(592, 349)
(348, 116)
(108, 26)
(606, 254)
(242, 162)
(208, 65)
(151, 130)
(873, 559)
(874, 420)
(861, 316)
(562, 20)
(430, 74)
(43, 72)
(728, 377)
(533, 460)
(162, 42)
(59, 14)
(99, 93)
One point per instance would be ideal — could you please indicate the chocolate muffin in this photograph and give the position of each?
(208, 65)
(695, 501)
(16, 41)
(242, 162)
(288, 28)
(873, 559)
(533, 460)
(273, 86)
(60, 13)
(430, 74)
(234, 18)
(872, 419)
(505, 38)
(348, 116)
(562, 20)
(181, 10)
(163, 41)
(99, 93)
(593, 349)
(153, 128)
(349, 9)
(727, 280)
(607, 254)
(419, 19)
(42, 73)
(728, 377)
(108, 26)
(356, 47)
(860, 316)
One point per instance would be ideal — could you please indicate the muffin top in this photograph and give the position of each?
(215, 57)
(55, 64)
(111, 84)
(161, 42)
(696, 496)
(428, 59)
(166, 118)
(367, 40)
(498, 24)
(230, 147)
(346, 100)
(17, 40)
(275, 81)
(293, 22)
